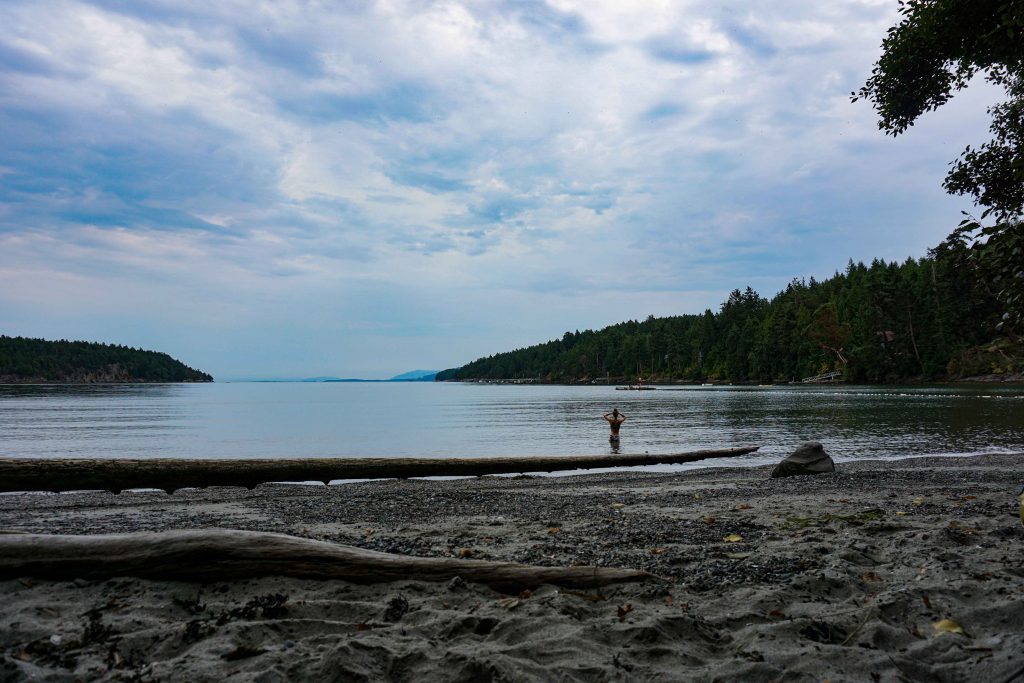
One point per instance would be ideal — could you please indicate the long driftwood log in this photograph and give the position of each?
(228, 554)
(44, 474)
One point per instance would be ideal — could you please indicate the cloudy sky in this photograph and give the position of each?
(362, 188)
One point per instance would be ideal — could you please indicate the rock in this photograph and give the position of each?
(1021, 495)
(397, 607)
(809, 458)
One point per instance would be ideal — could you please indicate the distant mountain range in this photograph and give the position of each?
(415, 376)
(411, 376)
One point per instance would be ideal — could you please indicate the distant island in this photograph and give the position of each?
(38, 361)
(928, 319)
(411, 376)
(415, 376)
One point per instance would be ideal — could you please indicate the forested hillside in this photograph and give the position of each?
(924, 319)
(38, 360)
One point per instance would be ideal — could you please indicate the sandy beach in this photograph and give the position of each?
(907, 570)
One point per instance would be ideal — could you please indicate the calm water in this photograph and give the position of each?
(439, 420)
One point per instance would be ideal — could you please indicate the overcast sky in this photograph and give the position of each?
(364, 188)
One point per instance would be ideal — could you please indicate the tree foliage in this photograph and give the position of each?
(997, 256)
(883, 322)
(935, 50)
(24, 359)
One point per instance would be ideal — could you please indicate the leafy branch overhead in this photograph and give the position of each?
(935, 50)
(997, 254)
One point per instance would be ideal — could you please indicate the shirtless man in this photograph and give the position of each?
(615, 420)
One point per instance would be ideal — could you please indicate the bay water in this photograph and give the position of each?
(426, 419)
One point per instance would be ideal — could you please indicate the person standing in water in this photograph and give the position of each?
(615, 420)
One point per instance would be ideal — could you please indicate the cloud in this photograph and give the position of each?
(439, 171)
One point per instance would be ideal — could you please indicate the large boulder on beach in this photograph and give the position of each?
(809, 458)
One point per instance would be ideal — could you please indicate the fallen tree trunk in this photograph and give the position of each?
(228, 554)
(42, 474)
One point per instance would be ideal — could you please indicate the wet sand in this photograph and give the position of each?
(907, 570)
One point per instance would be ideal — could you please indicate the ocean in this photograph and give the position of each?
(425, 419)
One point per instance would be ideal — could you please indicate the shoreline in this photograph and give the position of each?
(646, 464)
(171, 474)
(1013, 379)
(839, 576)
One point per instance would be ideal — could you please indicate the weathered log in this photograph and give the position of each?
(229, 554)
(169, 474)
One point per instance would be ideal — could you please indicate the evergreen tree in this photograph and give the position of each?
(918, 320)
(24, 359)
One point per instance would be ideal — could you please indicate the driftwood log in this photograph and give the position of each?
(228, 554)
(44, 474)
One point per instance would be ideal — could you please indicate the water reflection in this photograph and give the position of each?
(85, 390)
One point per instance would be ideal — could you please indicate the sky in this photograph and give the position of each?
(358, 189)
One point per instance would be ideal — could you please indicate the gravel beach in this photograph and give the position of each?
(907, 570)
